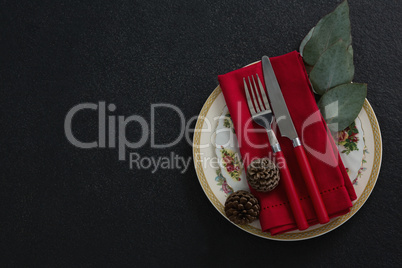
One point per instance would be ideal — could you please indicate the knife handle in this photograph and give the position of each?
(291, 192)
(311, 184)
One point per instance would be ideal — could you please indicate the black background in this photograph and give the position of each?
(65, 206)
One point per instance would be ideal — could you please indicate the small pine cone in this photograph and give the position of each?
(242, 207)
(263, 175)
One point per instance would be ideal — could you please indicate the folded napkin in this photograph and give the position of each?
(335, 186)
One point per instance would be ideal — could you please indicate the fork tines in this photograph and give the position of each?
(259, 101)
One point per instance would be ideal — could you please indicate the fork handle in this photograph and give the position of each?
(291, 192)
(311, 184)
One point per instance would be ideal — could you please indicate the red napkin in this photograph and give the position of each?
(335, 186)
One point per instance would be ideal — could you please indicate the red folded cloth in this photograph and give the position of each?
(335, 186)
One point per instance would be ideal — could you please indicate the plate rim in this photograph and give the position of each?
(289, 236)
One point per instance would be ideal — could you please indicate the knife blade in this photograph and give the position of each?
(278, 103)
(287, 129)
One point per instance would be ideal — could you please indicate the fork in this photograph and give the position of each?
(261, 114)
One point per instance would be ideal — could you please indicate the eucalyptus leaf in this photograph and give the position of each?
(341, 105)
(331, 28)
(305, 40)
(350, 50)
(308, 68)
(333, 68)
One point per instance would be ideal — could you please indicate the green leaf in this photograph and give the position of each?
(341, 105)
(331, 28)
(350, 50)
(333, 68)
(305, 40)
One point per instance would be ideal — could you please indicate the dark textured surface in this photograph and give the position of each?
(65, 206)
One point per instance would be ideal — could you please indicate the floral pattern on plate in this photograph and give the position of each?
(230, 161)
(349, 138)
(228, 123)
(351, 146)
(221, 181)
(362, 168)
(228, 154)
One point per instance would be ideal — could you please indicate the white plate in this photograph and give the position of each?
(215, 186)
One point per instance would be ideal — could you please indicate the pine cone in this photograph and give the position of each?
(242, 207)
(263, 175)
